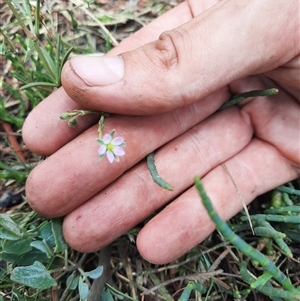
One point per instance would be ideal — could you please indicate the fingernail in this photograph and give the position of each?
(98, 70)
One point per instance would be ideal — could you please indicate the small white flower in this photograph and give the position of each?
(111, 147)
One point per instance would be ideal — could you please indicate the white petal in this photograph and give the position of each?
(118, 151)
(110, 156)
(117, 141)
(106, 138)
(102, 150)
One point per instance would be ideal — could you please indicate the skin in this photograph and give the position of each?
(256, 47)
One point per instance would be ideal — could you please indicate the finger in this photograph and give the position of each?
(275, 119)
(188, 62)
(44, 124)
(134, 196)
(75, 172)
(184, 223)
(260, 167)
(44, 132)
(288, 74)
(179, 15)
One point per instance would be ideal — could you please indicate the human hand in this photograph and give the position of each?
(185, 76)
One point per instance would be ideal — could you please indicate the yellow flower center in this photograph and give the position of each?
(110, 147)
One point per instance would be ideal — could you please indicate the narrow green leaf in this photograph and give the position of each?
(2, 49)
(45, 84)
(29, 51)
(83, 289)
(12, 258)
(46, 233)
(16, 94)
(37, 18)
(18, 76)
(106, 296)
(72, 281)
(162, 289)
(43, 247)
(4, 115)
(57, 58)
(24, 259)
(66, 56)
(96, 273)
(186, 292)
(17, 247)
(18, 296)
(32, 256)
(6, 42)
(27, 13)
(60, 244)
(50, 62)
(35, 276)
(8, 228)
(3, 271)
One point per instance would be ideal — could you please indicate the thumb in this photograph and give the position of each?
(231, 40)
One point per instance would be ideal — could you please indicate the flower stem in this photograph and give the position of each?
(235, 99)
(101, 126)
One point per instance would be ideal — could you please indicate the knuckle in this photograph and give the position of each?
(168, 48)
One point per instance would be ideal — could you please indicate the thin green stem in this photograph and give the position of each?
(287, 209)
(120, 293)
(289, 190)
(37, 18)
(235, 99)
(274, 218)
(100, 126)
(286, 199)
(240, 244)
(267, 232)
(267, 288)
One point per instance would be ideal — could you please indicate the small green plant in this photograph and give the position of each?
(37, 56)
(270, 270)
(36, 263)
(34, 256)
(52, 55)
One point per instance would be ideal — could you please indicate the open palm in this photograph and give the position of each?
(255, 139)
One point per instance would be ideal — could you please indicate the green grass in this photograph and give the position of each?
(36, 264)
